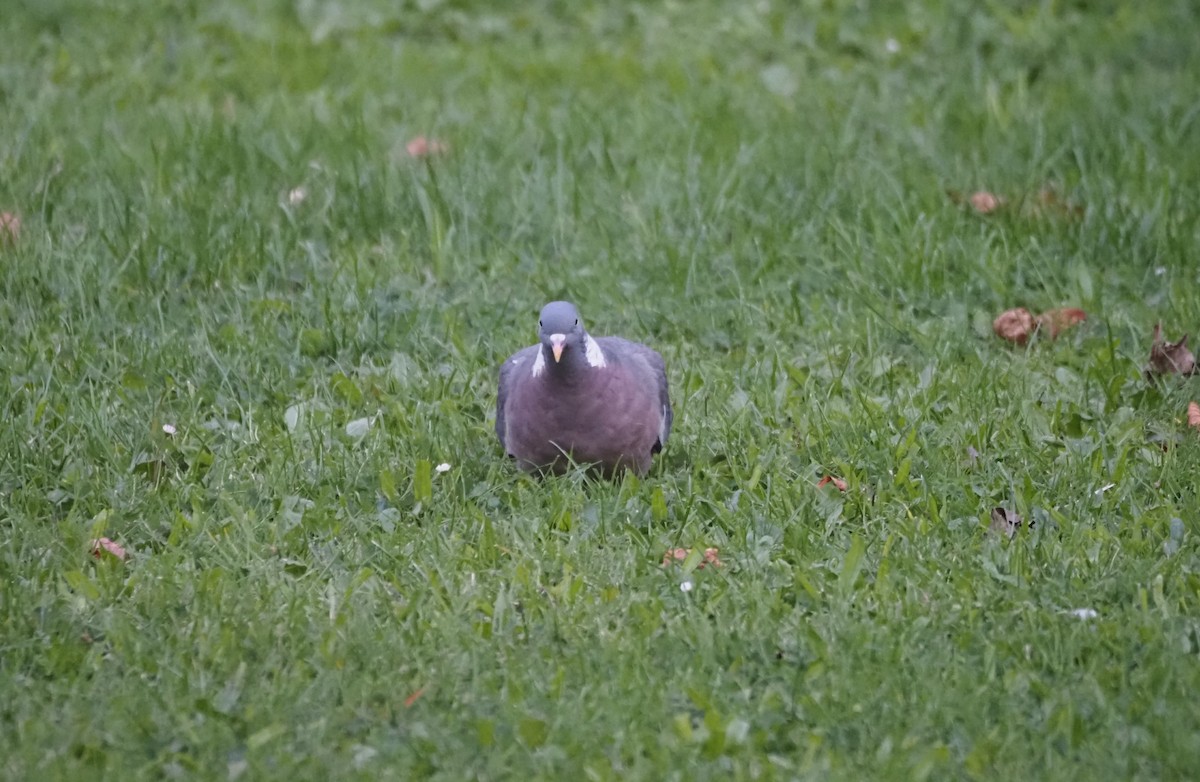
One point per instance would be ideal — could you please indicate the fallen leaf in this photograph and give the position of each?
(984, 202)
(291, 417)
(1018, 324)
(1015, 325)
(1169, 358)
(10, 228)
(680, 554)
(838, 482)
(421, 147)
(101, 545)
(1005, 522)
(1056, 321)
(1048, 201)
(1193, 416)
(358, 428)
(411, 699)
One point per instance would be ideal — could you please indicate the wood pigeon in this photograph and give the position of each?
(574, 398)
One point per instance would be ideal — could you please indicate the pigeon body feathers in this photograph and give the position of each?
(574, 398)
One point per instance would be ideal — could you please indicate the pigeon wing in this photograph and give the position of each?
(654, 369)
(514, 369)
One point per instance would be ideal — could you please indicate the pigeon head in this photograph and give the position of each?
(559, 329)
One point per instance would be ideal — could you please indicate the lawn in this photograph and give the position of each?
(253, 340)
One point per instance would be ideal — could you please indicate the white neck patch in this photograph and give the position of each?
(591, 349)
(539, 363)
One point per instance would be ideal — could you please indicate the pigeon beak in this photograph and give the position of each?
(557, 342)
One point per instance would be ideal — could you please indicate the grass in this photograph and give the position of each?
(758, 190)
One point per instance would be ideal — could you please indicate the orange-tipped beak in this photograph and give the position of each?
(557, 342)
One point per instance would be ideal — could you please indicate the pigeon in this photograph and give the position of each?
(578, 399)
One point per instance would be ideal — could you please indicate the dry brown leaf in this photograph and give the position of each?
(1048, 201)
(411, 699)
(680, 554)
(674, 554)
(1018, 324)
(1169, 358)
(10, 228)
(100, 545)
(1056, 321)
(1193, 416)
(981, 201)
(984, 202)
(421, 147)
(1015, 325)
(1005, 522)
(838, 482)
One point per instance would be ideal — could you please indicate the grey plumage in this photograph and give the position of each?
(600, 401)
